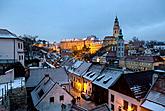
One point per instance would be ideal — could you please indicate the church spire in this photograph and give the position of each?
(116, 27)
(116, 19)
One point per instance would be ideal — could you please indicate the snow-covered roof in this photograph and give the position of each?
(8, 77)
(67, 62)
(155, 99)
(5, 34)
(79, 68)
(77, 64)
(47, 88)
(37, 74)
(52, 66)
(82, 68)
(160, 71)
(153, 106)
(93, 72)
(107, 78)
(42, 90)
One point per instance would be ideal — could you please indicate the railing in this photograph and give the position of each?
(4, 61)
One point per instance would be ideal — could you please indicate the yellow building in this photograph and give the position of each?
(77, 44)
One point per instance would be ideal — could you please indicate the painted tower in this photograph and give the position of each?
(120, 45)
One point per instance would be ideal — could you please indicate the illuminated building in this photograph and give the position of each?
(141, 63)
(93, 72)
(130, 90)
(78, 44)
(76, 72)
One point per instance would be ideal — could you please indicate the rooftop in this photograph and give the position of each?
(107, 78)
(93, 72)
(41, 90)
(79, 67)
(5, 34)
(157, 92)
(37, 74)
(135, 85)
(144, 58)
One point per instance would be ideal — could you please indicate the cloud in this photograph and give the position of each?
(57, 19)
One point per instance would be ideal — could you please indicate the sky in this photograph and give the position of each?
(55, 20)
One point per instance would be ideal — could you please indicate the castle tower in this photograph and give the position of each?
(116, 28)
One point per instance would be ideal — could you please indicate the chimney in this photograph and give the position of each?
(154, 78)
(46, 79)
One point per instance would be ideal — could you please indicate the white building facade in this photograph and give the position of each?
(11, 48)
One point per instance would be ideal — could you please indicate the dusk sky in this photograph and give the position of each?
(54, 20)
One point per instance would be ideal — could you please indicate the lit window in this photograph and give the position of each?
(134, 107)
(125, 105)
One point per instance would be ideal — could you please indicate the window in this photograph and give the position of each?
(119, 108)
(134, 107)
(62, 98)
(51, 100)
(19, 57)
(112, 98)
(40, 93)
(112, 107)
(21, 46)
(18, 45)
(125, 105)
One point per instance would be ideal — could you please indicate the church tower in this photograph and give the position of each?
(116, 28)
(120, 45)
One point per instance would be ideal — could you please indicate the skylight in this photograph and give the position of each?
(100, 77)
(88, 73)
(107, 79)
(92, 75)
(40, 93)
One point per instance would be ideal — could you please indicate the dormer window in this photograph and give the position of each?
(105, 81)
(92, 75)
(100, 77)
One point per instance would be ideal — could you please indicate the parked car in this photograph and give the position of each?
(85, 96)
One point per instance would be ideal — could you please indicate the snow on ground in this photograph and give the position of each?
(15, 84)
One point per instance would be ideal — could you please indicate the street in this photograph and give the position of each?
(83, 103)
